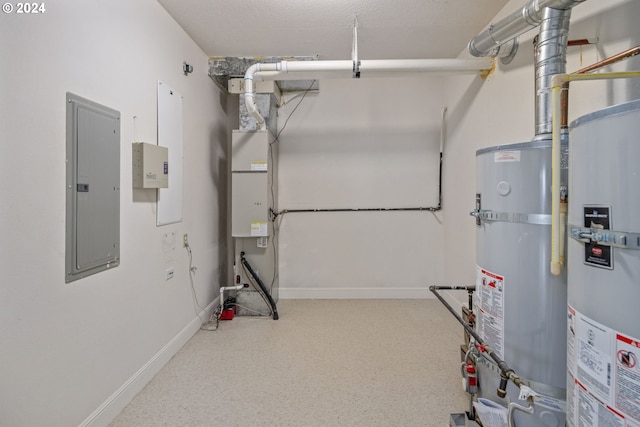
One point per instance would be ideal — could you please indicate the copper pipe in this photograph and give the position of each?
(610, 60)
(564, 106)
(564, 96)
(579, 42)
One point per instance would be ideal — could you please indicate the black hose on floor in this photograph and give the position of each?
(257, 279)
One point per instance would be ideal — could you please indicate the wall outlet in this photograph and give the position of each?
(185, 240)
(168, 273)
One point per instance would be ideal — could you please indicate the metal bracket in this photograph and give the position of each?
(491, 216)
(354, 50)
(512, 47)
(617, 239)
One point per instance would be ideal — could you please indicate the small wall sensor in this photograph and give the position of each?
(187, 68)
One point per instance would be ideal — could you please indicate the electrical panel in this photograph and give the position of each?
(150, 166)
(93, 188)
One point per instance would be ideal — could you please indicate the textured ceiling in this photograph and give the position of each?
(387, 29)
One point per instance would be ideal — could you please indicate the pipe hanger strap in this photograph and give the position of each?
(617, 239)
(491, 216)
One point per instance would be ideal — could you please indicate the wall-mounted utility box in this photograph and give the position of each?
(150, 166)
(93, 188)
(236, 86)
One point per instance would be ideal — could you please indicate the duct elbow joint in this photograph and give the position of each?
(250, 96)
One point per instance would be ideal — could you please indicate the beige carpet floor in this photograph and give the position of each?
(324, 363)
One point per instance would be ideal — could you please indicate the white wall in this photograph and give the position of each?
(73, 353)
(500, 110)
(368, 143)
(372, 142)
(68, 350)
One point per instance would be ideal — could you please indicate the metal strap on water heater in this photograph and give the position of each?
(537, 219)
(618, 239)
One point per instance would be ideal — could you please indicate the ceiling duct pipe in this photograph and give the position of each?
(302, 70)
(498, 40)
(550, 52)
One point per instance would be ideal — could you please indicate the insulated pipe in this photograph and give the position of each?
(345, 68)
(272, 303)
(557, 258)
(488, 42)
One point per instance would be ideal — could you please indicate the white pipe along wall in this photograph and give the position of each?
(346, 69)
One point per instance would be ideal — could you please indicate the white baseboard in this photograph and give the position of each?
(111, 407)
(355, 293)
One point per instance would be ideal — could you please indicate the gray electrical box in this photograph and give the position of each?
(150, 166)
(93, 188)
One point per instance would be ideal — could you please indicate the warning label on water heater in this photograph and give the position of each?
(490, 297)
(597, 218)
(506, 156)
(604, 376)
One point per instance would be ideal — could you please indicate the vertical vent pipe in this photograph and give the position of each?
(551, 59)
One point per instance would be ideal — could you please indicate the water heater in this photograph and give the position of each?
(603, 328)
(520, 306)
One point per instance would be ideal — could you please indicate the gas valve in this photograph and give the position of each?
(471, 378)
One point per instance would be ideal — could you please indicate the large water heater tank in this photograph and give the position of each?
(521, 308)
(603, 347)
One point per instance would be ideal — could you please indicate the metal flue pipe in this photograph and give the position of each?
(490, 41)
(551, 59)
